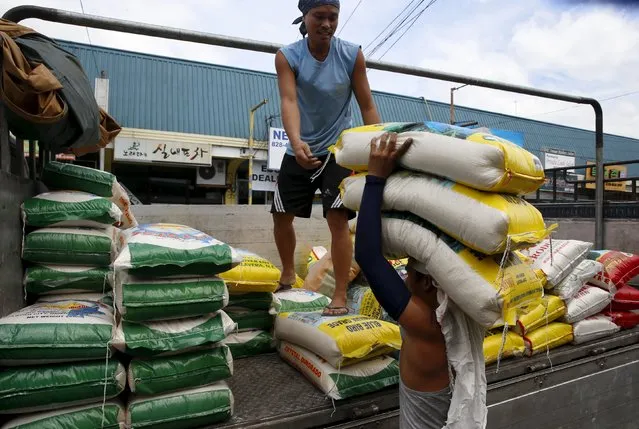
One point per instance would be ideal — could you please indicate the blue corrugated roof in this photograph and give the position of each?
(159, 93)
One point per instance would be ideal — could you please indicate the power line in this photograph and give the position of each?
(349, 17)
(95, 60)
(391, 23)
(395, 29)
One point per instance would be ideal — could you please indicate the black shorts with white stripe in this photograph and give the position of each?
(296, 187)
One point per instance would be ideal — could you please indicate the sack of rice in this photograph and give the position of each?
(498, 221)
(60, 279)
(57, 331)
(551, 309)
(362, 301)
(489, 293)
(195, 368)
(102, 298)
(577, 279)
(252, 300)
(358, 379)
(72, 246)
(626, 299)
(594, 328)
(140, 300)
(250, 320)
(298, 300)
(249, 343)
(341, 340)
(321, 277)
(623, 319)
(253, 274)
(42, 388)
(511, 345)
(185, 409)
(62, 175)
(160, 250)
(154, 338)
(464, 155)
(557, 258)
(619, 267)
(70, 209)
(547, 338)
(589, 301)
(111, 415)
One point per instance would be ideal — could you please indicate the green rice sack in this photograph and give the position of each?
(161, 250)
(249, 343)
(252, 300)
(70, 209)
(111, 416)
(153, 338)
(57, 331)
(251, 320)
(298, 301)
(59, 279)
(186, 409)
(146, 300)
(195, 368)
(42, 388)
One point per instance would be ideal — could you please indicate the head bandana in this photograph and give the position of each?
(306, 5)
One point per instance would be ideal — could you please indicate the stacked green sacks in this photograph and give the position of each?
(173, 324)
(250, 311)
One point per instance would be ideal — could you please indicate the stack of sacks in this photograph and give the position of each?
(172, 323)
(427, 217)
(251, 285)
(58, 365)
(343, 356)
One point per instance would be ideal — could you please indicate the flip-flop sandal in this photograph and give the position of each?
(339, 313)
(281, 287)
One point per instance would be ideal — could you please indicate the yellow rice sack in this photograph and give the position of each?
(513, 346)
(254, 274)
(551, 308)
(547, 338)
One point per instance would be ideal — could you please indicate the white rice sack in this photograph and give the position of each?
(495, 218)
(589, 301)
(159, 250)
(111, 416)
(341, 340)
(473, 281)
(476, 159)
(155, 338)
(102, 298)
(70, 209)
(362, 301)
(298, 300)
(557, 259)
(358, 379)
(62, 175)
(594, 328)
(577, 279)
(59, 331)
(51, 387)
(72, 246)
(59, 279)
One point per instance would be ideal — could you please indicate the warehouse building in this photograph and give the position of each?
(186, 127)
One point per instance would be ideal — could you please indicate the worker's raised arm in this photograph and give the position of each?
(362, 91)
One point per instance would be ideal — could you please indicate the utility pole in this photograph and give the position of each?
(251, 154)
(452, 103)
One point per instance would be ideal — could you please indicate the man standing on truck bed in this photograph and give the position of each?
(424, 390)
(317, 78)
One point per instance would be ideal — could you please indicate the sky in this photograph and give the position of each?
(588, 48)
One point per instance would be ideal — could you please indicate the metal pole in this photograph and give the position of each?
(599, 187)
(251, 154)
(452, 104)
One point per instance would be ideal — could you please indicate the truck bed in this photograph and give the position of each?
(594, 385)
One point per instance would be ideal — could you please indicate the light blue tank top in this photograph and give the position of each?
(324, 92)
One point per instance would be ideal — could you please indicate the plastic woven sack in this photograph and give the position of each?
(102, 298)
(321, 276)
(157, 250)
(619, 267)
(557, 258)
(71, 246)
(626, 299)
(358, 379)
(59, 279)
(62, 175)
(42, 388)
(498, 221)
(252, 300)
(140, 300)
(551, 309)
(476, 159)
(253, 274)
(548, 337)
(70, 209)
(577, 279)
(195, 368)
(475, 282)
(250, 320)
(623, 319)
(589, 301)
(298, 300)
(111, 416)
(154, 338)
(56, 332)
(249, 343)
(185, 409)
(513, 346)
(342, 340)
(594, 328)
(362, 301)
